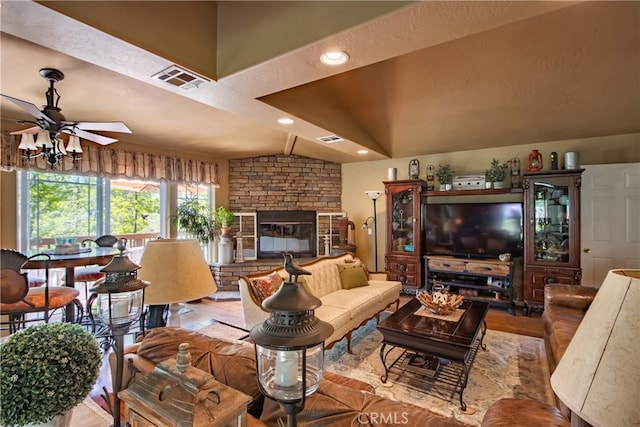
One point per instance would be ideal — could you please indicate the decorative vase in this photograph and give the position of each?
(498, 184)
(392, 174)
(225, 250)
(535, 161)
(63, 420)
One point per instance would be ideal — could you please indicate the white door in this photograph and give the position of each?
(610, 220)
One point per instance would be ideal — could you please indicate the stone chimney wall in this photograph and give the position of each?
(284, 182)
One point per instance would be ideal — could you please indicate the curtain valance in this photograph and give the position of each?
(113, 162)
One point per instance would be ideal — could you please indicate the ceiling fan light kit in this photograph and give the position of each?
(50, 122)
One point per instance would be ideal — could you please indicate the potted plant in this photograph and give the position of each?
(195, 218)
(46, 371)
(444, 174)
(223, 218)
(497, 173)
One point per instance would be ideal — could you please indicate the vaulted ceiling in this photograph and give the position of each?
(423, 77)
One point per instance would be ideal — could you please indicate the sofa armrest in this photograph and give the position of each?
(381, 275)
(571, 296)
(252, 311)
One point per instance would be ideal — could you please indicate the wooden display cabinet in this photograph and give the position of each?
(404, 247)
(551, 232)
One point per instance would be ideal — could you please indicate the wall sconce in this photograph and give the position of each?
(373, 195)
(290, 348)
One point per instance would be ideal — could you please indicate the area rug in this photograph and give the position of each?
(512, 366)
(90, 414)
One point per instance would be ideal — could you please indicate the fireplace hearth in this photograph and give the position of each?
(286, 231)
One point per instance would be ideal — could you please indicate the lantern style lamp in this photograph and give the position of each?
(119, 296)
(290, 348)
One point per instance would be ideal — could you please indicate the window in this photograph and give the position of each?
(202, 194)
(61, 205)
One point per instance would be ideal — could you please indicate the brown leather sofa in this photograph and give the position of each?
(339, 401)
(564, 309)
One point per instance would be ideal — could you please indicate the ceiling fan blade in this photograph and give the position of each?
(99, 139)
(29, 108)
(32, 130)
(102, 126)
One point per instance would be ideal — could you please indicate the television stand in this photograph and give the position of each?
(478, 280)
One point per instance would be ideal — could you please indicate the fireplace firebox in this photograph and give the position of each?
(286, 231)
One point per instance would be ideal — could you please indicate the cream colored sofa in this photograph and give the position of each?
(345, 309)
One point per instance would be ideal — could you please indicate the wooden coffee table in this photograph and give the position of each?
(455, 342)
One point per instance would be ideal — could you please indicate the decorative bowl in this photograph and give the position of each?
(440, 304)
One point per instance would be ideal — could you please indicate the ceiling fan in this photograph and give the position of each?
(50, 122)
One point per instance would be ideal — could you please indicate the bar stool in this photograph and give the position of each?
(21, 303)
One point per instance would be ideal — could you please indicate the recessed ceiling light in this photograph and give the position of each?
(334, 57)
(285, 121)
(362, 151)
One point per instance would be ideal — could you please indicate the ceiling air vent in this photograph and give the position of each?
(180, 77)
(330, 139)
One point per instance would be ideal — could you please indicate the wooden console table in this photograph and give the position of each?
(485, 280)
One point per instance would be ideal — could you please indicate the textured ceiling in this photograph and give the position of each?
(424, 77)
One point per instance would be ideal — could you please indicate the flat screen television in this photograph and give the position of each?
(474, 230)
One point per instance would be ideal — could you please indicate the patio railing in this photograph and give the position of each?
(133, 240)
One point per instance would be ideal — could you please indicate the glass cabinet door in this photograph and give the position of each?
(403, 220)
(551, 220)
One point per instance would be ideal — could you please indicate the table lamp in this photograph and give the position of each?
(598, 376)
(179, 273)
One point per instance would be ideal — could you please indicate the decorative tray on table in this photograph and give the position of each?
(440, 303)
(68, 249)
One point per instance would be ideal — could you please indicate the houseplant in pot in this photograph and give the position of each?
(46, 371)
(497, 173)
(223, 218)
(445, 175)
(197, 220)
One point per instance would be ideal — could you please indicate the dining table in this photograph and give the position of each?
(69, 261)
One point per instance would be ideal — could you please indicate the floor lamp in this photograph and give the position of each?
(373, 195)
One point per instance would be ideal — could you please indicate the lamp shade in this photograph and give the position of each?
(176, 270)
(598, 377)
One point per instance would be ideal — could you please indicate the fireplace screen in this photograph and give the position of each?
(286, 231)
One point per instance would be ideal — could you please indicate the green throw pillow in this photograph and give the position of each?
(352, 276)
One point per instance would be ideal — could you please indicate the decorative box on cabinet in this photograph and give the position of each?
(551, 232)
(176, 393)
(404, 247)
(483, 280)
